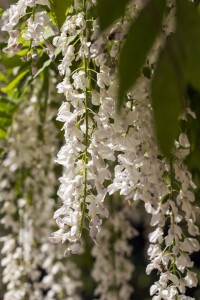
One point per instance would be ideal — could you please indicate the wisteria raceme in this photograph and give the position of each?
(174, 238)
(141, 175)
(31, 268)
(39, 27)
(109, 160)
(84, 170)
(112, 257)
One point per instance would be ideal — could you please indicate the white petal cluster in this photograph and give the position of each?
(167, 192)
(32, 268)
(103, 154)
(81, 191)
(113, 254)
(38, 23)
(128, 142)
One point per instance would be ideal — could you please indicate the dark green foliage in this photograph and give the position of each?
(140, 38)
(193, 131)
(109, 11)
(188, 36)
(168, 89)
(178, 65)
(182, 56)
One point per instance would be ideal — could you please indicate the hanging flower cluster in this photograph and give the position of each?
(81, 189)
(109, 160)
(113, 256)
(32, 269)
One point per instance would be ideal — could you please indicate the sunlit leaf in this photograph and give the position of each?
(7, 110)
(47, 63)
(167, 93)
(14, 82)
(7, 106)
(141, 36)
(109, 11)
(59, 9)
(3, 134)
(5, 120)
(11, 62)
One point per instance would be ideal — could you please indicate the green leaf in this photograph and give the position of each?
(196, 2)
(167, 94)
(7, 110)
(43, 97)
(59, 9)
(3, 134)
(47, 63)
(141, 36)
(5, 120)
(14, 82)
(11, 62)
(109, 11)
(188, 32)
(7, 106)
